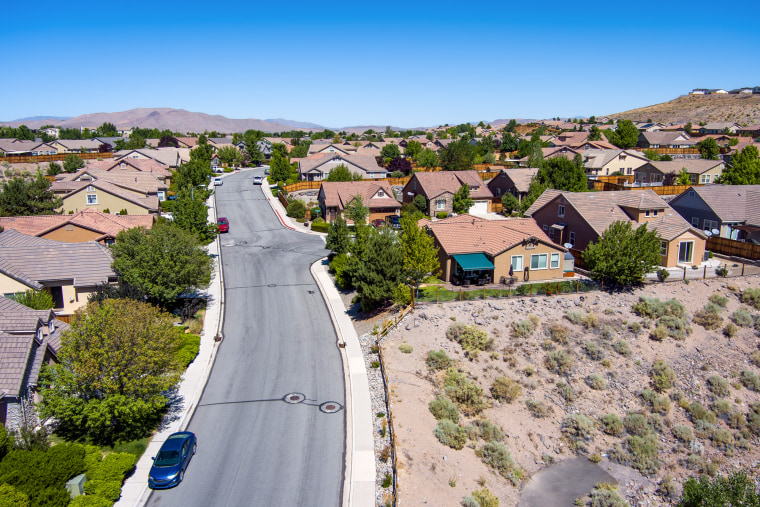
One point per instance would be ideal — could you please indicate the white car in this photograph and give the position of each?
(217, 182)
(257, 180)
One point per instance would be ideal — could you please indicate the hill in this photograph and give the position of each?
(741, 109)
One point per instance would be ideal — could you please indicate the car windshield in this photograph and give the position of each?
(222, 220)
(166, 458)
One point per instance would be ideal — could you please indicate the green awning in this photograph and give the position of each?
(472, 262)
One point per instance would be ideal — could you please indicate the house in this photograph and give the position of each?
(329, 148)
(76, 145)
(475, 249)
(439, 188)
(69, 271)
(86, 225)
(110, 141)
(606, 162)
(102, 195)
(376, 195)
(719, 127)
(731, 209)
(317, 167)
(700, 171)
(28, 339)
(752, 131)
(137, 181)
(11, 147)
(515, 181)
(125, 165)
(665, 139)
(170, 157)
(579, 218)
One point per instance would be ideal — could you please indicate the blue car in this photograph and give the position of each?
(169, 465)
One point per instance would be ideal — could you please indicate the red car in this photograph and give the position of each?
(223, 224)
(378, 223)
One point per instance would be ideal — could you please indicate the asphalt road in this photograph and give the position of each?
(254, 448)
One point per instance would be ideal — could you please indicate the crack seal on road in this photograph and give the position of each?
(327, 407)
(271, 285)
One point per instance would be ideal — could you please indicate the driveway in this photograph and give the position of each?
(270, 423)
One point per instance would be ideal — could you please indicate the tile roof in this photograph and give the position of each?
(43, 260)
(365, 162)
(131, 180)
(469, 234)
(340, 193)
(434, 184)
(149, 202)
(79, 144)
(692, 165)
(105, 224)
(597, 159)
(732, 203)
(521, 177)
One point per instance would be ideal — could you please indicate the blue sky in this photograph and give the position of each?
(405, 64)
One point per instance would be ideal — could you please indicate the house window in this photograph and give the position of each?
(663, 248)
(572, 238)
(546, 227)
(705, 178)
(161, 195)
(517, 262)
(92, 198)
(685, 251)
(440, 204)
(646, 213)
(655, 213)
(710, 225)
(561, 211)
(691, 193)
(555, 261)
(695, 221)
(380, 193)
(538, 261)
(57, 293)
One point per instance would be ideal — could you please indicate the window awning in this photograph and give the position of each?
(472, 262)
(559, 226)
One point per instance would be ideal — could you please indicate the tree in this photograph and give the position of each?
(625, 136)
(279, 168)
(509, 203)
(683, 177)
(621, 255)
(744, 168)
(163, 262)
(458, 156)
(53, 169)
(462, 202)
(107, 129)
(338, 240)
(510, 127)
(19, 197)
(562, 174)
(117, 362)
(379, 269)
(509, 143)
(342, 173)
(251, 138)
(72, 163)
(420, 201)
(390, 151)
(688, 128)
(356, 210)
(595, 134)
(419, 252)
(413, 148)
(708, 148)
(428, 159)
(191, 214)
(168, 141)
(301, 150)
(400, 164)
(230, 155)
(738, 489)
(652, 155)
(36, 299)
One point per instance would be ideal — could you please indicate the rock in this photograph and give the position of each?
(423, 316)
(533, 300)
(495, 306)
(480, 322)
(577, 302)
(417, 323)
(409, 327)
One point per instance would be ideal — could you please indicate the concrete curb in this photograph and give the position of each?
(135, 490)
(281, 213)
(359, 479)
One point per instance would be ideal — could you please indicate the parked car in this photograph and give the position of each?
(217, 182)
(216, 169)
(257, 180)
(394, 221)
(223, 223)
(378, 223)
(170, 463)
(266, 171)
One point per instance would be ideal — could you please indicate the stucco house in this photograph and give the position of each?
(475, 250)
(69, 271)
(579, 218)
(317, 167)
(701, 171)
(76, 145)
(378, 196)
(439, 188)
(606, 162)
(170, 157)
(734, 210)
(515, 181)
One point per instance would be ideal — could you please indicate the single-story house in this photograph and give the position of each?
(719, 127)
(11, 146)
(734, 210)
(664, 139)
(378, 196)
(439, 188)
(69, 271)
(76, 145)
(701, 171)
(473, 249)
(579, 218)
(317, 167)
(515, 181)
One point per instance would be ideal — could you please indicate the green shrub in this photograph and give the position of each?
(402, 295)
(485, 430)
(451, 434)
(683, 433)
(405, 348)
(11, 497)
(558, 333)
(505, 389)
(566, 392)
(662, 376)
(296, 209)
(709, 317)
(611, 425)
(340, 266)
(496, 455)
(729, 330)
(113, 467)
(473, 338)
(719, 300)
(606, 495)
(593, 351)
(750, 380)
(663, 274)
(438, 360)
(644, 452)
(699, 413)
(596, 382)
(622, 348)
(659, 404)
(187, 349)
(742, 318)
(578, 427)
(441, 215)
(467, 396)
(718, 385)
(320, 227)
(537, 409)
(443, 408)
(110, 490)
(653, 308)
(523, 329)
(636, 424)
(751, 297)
(485, 498)
(559, 361)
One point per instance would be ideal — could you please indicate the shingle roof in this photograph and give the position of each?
(144, 182)
(521, 177)
(597, 159)
(149, 202)
(732, 203)
(434, 184)
(77, 144)
(365, 162)
(692, 165)
(132, 164)
(105, 224)
(663, 138)
(340, 193)
(43, 260)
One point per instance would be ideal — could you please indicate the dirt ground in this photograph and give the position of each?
(433, 474)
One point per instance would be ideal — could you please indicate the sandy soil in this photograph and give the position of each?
(433, 474)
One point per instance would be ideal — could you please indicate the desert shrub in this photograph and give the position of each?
(750, 380)
(636, 424)
(622, 348)
(559, 361)
(578, 427)
(443, 408)
(659, 333)
(450, 434)
(718, 299)
(590, 321)
(736, 420)
(468, 501)
(606, 495)
(593, 351)
(699, 413)
(722, 407)
(729, 330)
(704, 429)
(405, 348)
(607, 332)
(656, 422)
(644, 452)
(485, 498)
(751, 297)
(634, 327)
(753, 418)
(659, 404)
(566, 392)
(718, 385)
(474, 338)
(742, 318)
(574, 317)
(709, 317)
(496, 455)
(653, 308)
(485, 430)
(754, 358)
(558, 333)
(683, 433)
(537, 409)
(677, 327)
(467, 396)
(662, 376)
(523, 328)
(663, 274)
(611, 425)
(723, 439)
(438, 360)
(455, 330)
(596, 382)
(505, 389)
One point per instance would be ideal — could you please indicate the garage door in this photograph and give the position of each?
(479, 208)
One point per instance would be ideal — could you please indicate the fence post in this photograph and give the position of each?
(412, 298)
(577, 286)
(484, 293)
(684, 272)
(704, 275)
(436, 294)
(460, 294)
(743, 269)
(558, 288)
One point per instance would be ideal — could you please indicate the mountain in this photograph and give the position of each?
(39, 118)
(177, 120)
(296, 124)
(738, 108)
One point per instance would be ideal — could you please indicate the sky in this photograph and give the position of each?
(338, 64)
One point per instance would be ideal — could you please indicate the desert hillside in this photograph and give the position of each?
(742, 109)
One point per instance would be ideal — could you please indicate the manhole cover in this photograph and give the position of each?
(294, 398)
(272, 285)
(330, 407)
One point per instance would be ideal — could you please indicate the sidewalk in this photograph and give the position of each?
(135, 491)
(282, 213)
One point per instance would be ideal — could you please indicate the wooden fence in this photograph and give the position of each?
(734, 248)
(14, 159)
(313, 185)
(64, 318)
(617, 179)
(303, 185)
(605, 186)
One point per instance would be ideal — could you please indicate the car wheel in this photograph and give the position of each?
(195, 448)
(181, 476)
